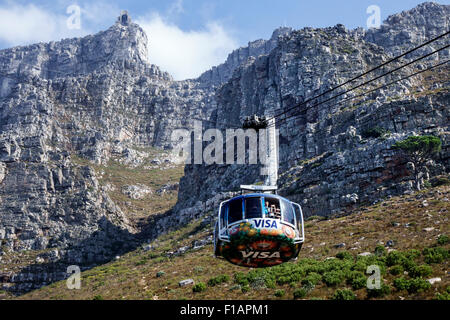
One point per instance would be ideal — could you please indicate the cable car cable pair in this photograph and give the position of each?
(366, 73)
(248, 120)
(362, 84)
(377, 88)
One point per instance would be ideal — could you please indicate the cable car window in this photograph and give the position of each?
(235, 211)
(253, 208)
(272, 207)
(288, 213)
(298, 216)
(223, 218)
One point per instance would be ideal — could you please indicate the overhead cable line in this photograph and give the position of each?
(365, 73)
(362, 84)
(382, 87)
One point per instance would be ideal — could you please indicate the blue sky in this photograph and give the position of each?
(206, 29)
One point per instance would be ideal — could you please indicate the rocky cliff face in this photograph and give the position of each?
(411, 28)
(80, 56)
(222, 73)
(329, 163)
(91, 98)
(70, 105)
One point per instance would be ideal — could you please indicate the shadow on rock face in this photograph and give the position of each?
(101, 247)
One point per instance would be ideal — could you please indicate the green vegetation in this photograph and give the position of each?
(380, 251)
(218, 280)
(443, 296)
(439, 181)
(396, 270)
(443, 240)
(344, 294)
(404, 259)
(300, 293)
(357, 280)
(344, 255)
(333, 278)
(245, 288)
(421, 146)
(420, 271)
(435, 255)
(312, 278)
(377, 132)
(412, 285)
(199, 287)
(383, 291)
(160, 274)
(279, 293)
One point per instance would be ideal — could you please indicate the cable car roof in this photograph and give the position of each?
(264, 189)
(253, 195)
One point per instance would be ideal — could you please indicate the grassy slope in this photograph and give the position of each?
(118, 175)
(401, 219)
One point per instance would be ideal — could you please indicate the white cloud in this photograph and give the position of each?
(100, 12)
(24, 24)
(185, 54)
(176, 7)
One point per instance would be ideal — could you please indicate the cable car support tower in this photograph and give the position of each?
(268, 152)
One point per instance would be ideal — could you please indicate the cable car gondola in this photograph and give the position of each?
(258, 229)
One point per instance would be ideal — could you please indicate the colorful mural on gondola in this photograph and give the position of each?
(260, 243)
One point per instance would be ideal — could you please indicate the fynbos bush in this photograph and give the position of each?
(379, 293)
(396, 270)
(413, 285)
(333, 278)
(344, 294)
(199, 287)
(300, 293)
(218, 280)
(435, 255)
(443, 239)
(344, 255)
(420, 271)
(357, 280)
(279, 293)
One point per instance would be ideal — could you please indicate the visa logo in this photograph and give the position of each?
(260, 255)
(262, 223)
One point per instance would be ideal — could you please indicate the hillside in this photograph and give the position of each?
(406, 233)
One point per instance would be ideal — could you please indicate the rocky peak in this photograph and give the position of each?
(412, 27)
(281, 31)
(124, 43)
